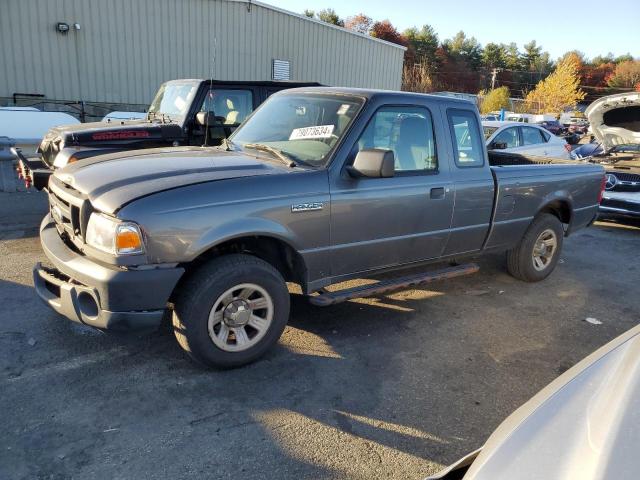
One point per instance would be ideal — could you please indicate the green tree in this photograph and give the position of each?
(465, 48)
(329, 15)
(494, 100)
(309, 13)
(532, 52)
(560, 90)
(624, 58)
(424, 42)
(512, 58)
(494, 56)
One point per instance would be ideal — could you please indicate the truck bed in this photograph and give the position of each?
(524, 183)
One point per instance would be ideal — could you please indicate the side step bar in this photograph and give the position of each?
(327, 298)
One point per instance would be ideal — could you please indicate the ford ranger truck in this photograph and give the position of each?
(183, 112)
(320, 185)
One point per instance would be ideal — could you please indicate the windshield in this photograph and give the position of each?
(173, 99)
(488, 131)
(303, 127)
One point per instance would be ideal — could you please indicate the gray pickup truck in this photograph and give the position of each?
(319, 185)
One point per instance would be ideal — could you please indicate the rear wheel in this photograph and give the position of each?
(231, 311)
(537, 254)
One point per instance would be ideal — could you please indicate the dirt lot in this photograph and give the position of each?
(390, 387)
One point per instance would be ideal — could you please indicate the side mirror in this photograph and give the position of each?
(205, 118)
(498, 145)
(373, 163)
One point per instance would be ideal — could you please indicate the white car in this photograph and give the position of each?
(516, 137)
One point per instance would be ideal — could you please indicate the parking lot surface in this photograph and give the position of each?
(389, 387)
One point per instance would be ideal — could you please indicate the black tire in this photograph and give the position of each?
(198, 294)
(520, 262)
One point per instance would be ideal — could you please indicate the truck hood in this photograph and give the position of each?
(109, 134)
(583, 425)
(114, 180)
(615, 119)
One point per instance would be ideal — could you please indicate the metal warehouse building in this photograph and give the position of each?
(119, 51)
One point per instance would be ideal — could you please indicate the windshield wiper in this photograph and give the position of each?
(283, 157)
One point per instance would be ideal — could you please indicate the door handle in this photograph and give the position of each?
(437, 193)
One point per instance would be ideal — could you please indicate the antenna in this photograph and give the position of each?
(209, 96)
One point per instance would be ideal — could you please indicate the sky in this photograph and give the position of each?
(558, 25)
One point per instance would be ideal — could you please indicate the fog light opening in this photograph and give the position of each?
(88, 304)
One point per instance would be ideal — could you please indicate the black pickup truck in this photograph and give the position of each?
(183, 112)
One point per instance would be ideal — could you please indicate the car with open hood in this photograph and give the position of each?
(615, 122)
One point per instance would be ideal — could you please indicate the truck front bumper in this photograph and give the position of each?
(99, 295)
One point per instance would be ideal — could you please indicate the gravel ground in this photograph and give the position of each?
(389, 387)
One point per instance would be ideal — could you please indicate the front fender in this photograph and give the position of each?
(242, 227)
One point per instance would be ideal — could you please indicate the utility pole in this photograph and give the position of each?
(494, 74)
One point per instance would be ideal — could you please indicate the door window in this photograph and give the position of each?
(231, 105)
(408, 133)
(508, 136)
(467, 139)
(532, 136)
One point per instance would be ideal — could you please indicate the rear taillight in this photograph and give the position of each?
(603, 182)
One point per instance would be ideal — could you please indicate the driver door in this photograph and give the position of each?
(384, 222)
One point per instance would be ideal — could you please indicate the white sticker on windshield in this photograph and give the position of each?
(319, 131)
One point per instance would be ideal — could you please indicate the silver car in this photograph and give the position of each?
(582, 426)
(524, 139)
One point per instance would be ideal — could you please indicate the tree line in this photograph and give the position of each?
(462, 64)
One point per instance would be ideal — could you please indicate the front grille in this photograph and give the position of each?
(70, 211)
(626, 177)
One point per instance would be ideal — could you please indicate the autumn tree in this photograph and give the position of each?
(384, 30)
(494, 100)
(360, 23)
(559, 90)
(625, 76)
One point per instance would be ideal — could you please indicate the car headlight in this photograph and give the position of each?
(113, 236)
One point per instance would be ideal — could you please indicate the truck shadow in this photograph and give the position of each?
(378, 387)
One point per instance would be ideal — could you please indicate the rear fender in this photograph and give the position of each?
(559, 203)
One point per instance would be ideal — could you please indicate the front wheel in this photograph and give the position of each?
(537, 254)
(231, 311)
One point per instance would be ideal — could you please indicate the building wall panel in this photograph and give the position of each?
(125, 49)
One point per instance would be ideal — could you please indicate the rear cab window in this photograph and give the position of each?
(468, 148)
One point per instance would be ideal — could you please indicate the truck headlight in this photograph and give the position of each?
(113, 236)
